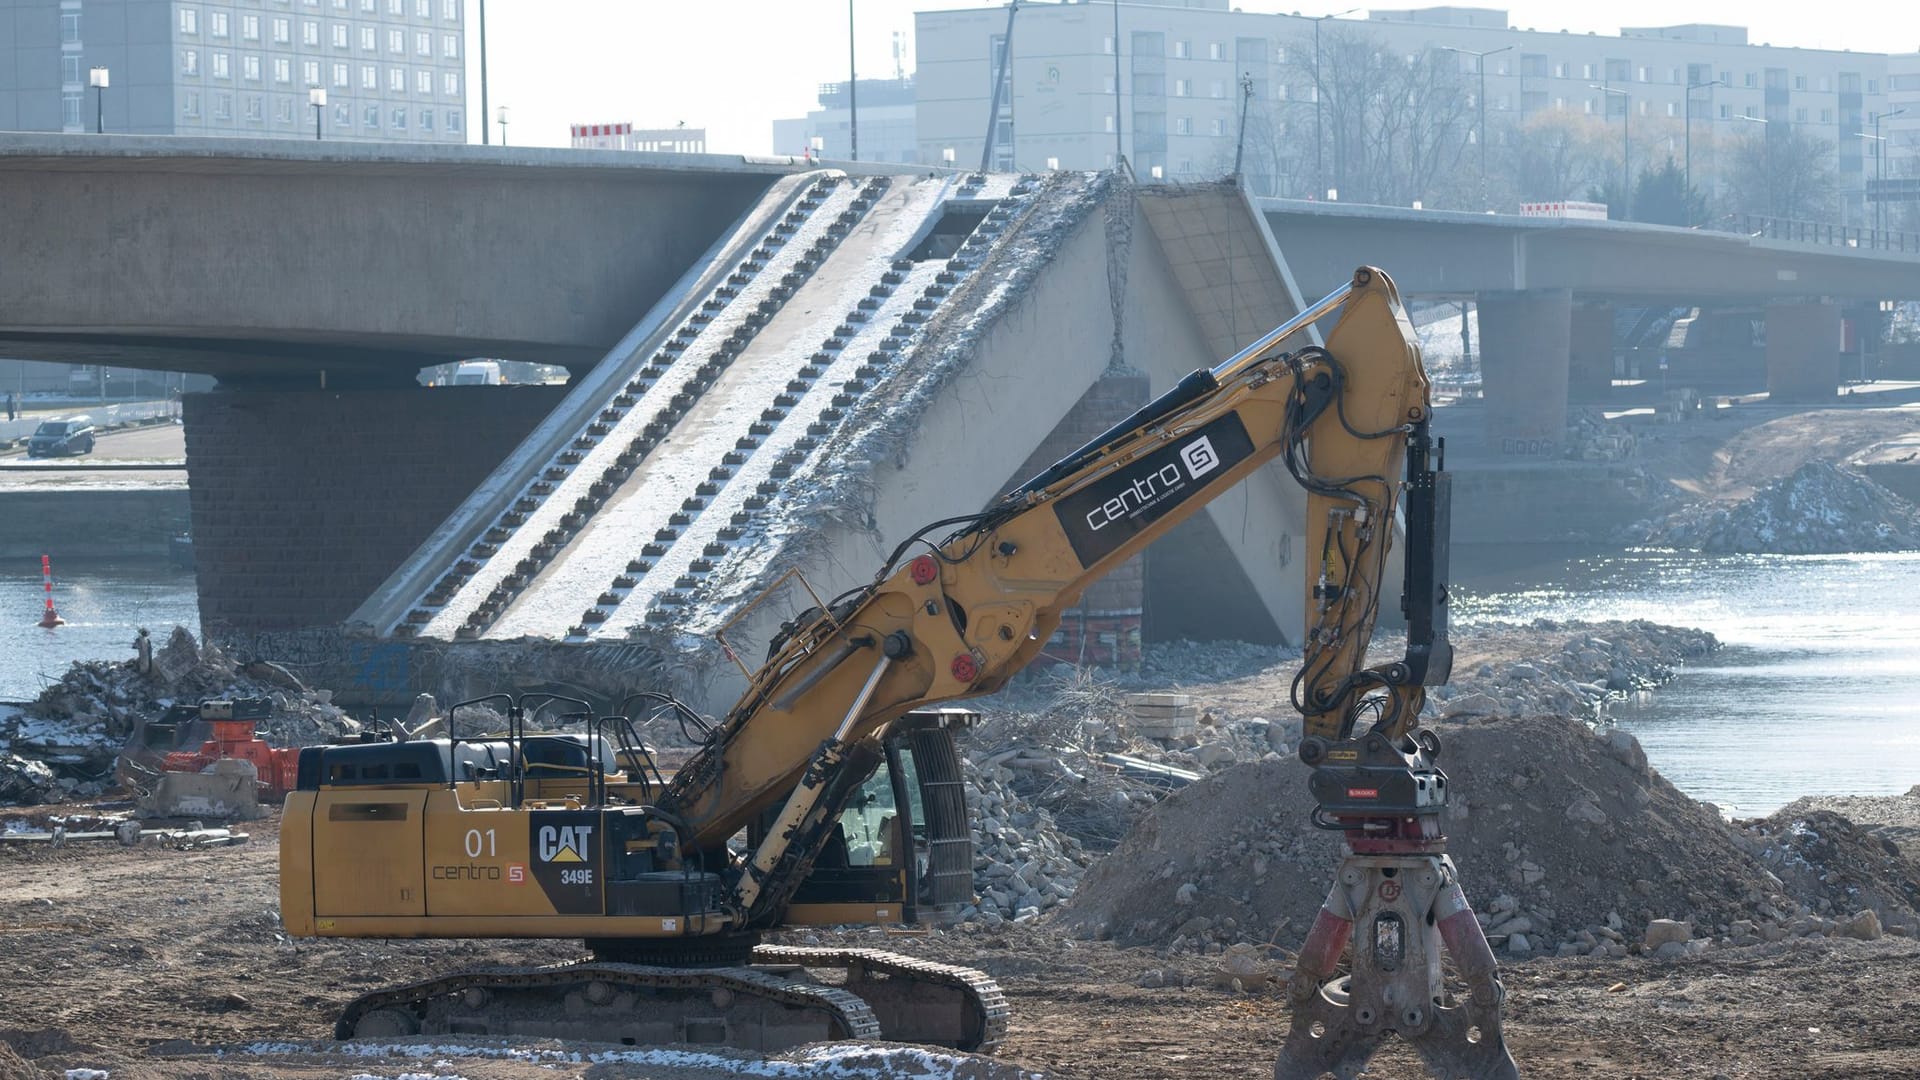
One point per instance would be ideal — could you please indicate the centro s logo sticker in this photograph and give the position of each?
(564, 843)
(1142, 492)
(1200, 457)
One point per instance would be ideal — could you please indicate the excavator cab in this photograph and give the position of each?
(901, 849)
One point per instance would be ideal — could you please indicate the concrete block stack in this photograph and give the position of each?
(1163, 715)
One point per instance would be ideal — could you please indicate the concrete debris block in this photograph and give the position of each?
(424, 708)
(24, 782)
(1163, 716)
(1865, 926)
(1473, 704)
(1585, 811)
(1244, 969)
(1669, 950)
(1623, 745)
(1662, 931)
(1184, 894)
(1519, 945)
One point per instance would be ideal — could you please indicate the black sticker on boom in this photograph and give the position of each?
(566, 858)
(1107, 513)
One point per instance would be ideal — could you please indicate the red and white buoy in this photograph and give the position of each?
(49, 618)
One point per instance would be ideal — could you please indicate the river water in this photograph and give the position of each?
(104, 603)
(1812, 692)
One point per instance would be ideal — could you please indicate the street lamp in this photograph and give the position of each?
(97, 78)
(502, 118)
(1240, 144)
(1626, 147)
(484, 140)
(1691, 87)
(1480, 66)
(317, 97)
(1319, 172)
(1772, 210)
(1879, 156)
(853, 90)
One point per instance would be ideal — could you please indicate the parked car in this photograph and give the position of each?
(58, 438)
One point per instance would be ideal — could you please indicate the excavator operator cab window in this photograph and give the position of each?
(868, 822)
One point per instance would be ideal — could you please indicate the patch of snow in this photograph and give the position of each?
(829, 1061)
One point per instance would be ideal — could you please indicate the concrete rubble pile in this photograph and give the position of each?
(1820, 509)
(1593, 437)
(77, 725)
(1599, 663)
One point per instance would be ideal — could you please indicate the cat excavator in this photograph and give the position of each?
(832, 792)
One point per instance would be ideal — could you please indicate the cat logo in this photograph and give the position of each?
(564, 843)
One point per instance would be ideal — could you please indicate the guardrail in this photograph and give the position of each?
(1818, 232)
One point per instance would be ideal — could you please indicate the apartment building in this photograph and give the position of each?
(392, 70)
(1161, 82)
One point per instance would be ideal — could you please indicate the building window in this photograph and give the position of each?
(1849, 82)
(340, 5)
(423, 43)
(450, 10)
(426, 119)
(70, 70)
(190, 103)
(250, 68)
(1109, 126)
(423, 82)
(1182, 88)
(310, 72)
(453, 121)
(309, 32)
(1217, 88)
(189, 20)
(70, 27)
(396, 41)
(70, 111)
(250, 28)
(450, 83)
(1826, 115)
(340, 75)
(1218, 127)
(223, 106)
(1216, 50)
(373, 118)
(222, 66)
(1586, 71)
(1183, 125)
(1799, 82)
(1726, 112)
(1106, 45)
(369, 39)
(1560, 71)
(1673, 109)
(339, 35)
(282, 31)
(397, 9)
(370, 6)
(342, 115)
(450, 46)
(283, 109)
(1800, 116)
(369, 77)
(1873, 86)
(422, 9)
(1180, 50)
(282, 70)
(400, 118)
(218, 21)
(397, 80)
(254, 108)
(1749, 79)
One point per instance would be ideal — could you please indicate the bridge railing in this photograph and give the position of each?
(1818, 232)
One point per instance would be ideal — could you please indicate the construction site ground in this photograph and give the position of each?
(155, 962)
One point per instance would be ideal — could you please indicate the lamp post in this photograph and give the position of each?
(97, 78)
(1240, 144)
(317, 97)
(502, 118)
(1480, 66)
(1319, 171)
(853, 89)
(1691, 87)
(1626, 146)
(1772, 210)
(1879, 156)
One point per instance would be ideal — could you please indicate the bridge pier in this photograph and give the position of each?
(1590, 352)
(302, 502)
(1525, 363)
(1803, 350)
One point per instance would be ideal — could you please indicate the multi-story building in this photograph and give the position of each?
(886, 109)
(392, 70)
(624, 136)
(1167, 77)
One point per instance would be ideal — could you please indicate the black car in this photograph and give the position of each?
(54, 438)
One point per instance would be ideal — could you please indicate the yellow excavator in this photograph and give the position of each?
(832, 793)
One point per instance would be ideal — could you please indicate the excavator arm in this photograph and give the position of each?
(965, 613)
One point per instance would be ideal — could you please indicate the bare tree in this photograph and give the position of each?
(1782, 172)
(1396, 126)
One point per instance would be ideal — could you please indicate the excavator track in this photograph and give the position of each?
(619, 1003)
(978, 1024)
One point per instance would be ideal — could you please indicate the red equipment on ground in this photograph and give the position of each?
(234, 737)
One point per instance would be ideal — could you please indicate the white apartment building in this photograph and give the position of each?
(1168, 83)
(886, 112)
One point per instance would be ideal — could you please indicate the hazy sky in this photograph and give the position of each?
(732, 66)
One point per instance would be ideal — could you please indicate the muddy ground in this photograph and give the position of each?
(110, 952)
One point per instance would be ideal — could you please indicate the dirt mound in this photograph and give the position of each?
(1845, 865)
(1820, 509)
(1562, 837)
